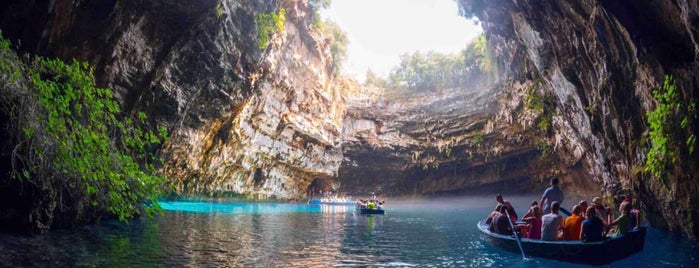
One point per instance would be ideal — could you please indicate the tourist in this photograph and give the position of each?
(501, 223)
(551, 194)
(600, 210)
(583, 208)
(508, 205)
(621, 224)
(533, 220)
(371, 205)
(592, 227)
(551, 223)
(572, 225)
(529, 212)
(492, 215)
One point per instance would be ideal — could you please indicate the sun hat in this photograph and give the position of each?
(597, 200)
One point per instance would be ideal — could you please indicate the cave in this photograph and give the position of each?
(565, 94)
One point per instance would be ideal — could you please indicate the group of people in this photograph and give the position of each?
(587, 223)
(372, 203)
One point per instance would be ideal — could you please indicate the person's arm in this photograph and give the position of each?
(541, 203)
(544, 197)
(513, 212)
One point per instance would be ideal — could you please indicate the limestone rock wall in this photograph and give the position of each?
(242, 120)
(601, 60)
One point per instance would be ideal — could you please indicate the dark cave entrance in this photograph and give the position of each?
(320, 187)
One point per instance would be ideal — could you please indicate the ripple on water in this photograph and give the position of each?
(292, 235)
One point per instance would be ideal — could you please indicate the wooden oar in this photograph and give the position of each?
(519, 242)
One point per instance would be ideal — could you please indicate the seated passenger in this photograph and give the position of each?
(492, 215)
(510, 209)
(583, 208)
(572, 225)
(529, 212)
(592, 227)
(501, 223)
(551, 223)
(634, 214)
(534, 222)
(371, 205)
(621, 224)
(600, 210)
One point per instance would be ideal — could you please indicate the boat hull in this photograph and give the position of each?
(595, 253)
(366, 211)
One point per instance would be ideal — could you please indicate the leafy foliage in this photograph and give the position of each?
(542, 104)
(70, 142)
(429, 71)
(219, 9)
(471, 8)
(267, 24)
(338, 44)
(670, 127)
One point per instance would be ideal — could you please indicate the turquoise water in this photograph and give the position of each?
(197, 234)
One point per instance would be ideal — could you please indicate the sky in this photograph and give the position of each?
(379, 31)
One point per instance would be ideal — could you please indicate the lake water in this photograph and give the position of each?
(411, 234)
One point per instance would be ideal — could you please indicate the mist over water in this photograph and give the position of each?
(436, 232)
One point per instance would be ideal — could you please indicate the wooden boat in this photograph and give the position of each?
(365, 211)
(595, 253)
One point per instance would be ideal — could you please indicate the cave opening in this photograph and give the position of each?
(320, 187)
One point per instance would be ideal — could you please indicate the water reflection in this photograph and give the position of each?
(420, 234)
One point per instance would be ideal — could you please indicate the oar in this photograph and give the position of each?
(519, 243)
(565, 211)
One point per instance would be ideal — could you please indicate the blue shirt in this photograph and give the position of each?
(551, 194)
(592, 229)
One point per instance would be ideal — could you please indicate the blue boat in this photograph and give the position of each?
(594, 253)
(365, 211)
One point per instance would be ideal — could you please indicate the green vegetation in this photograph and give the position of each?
(338, 41)
(315, 7)
(473, 66)
(471, 8)
(670, 129)
(69, 142)
(545, 149)
(478, 138)
(338, 44)
(219, 9)
(542, 104)
(267, 24)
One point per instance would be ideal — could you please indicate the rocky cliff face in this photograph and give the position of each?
(576, 84)
(450, 141)
(600, 60)
(242, 120)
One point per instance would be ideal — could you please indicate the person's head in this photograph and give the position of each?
(534, 203)
(555, 206)
(536, 210)
(554, 181)
(583, 205)
(626, 207)
(597, 201)
(499, 198)
(591, 212)
(577, 210)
